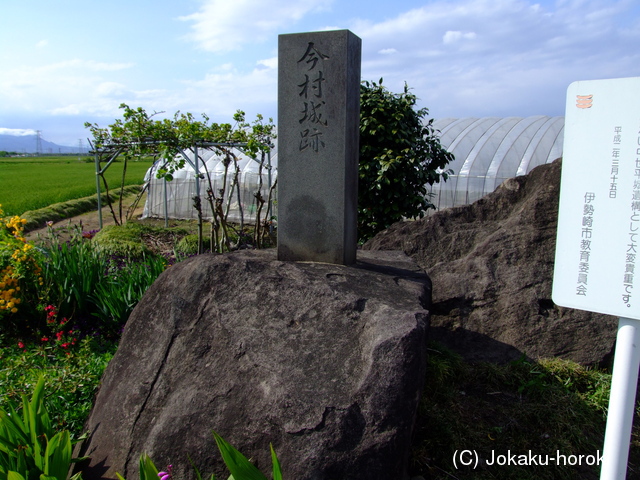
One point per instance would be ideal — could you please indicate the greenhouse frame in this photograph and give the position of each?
(490, 150)
(487, 151)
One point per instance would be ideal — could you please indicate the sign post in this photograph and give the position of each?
(598, 240)
(624, 384)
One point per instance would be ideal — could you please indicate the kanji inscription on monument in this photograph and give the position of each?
(318, 145)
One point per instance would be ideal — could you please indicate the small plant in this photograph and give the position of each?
(93, 288)
(30, 448)
(72, 376)
(20, 277)
(239, 466)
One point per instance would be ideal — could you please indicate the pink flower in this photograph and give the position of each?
(166, 475)
(20, 345)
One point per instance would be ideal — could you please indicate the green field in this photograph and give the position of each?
(37, 182)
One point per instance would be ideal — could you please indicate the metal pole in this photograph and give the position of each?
(166, 208)
(269, 180)
(622, 399)
(97, 163)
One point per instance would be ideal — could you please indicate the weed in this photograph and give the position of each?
(543, 407)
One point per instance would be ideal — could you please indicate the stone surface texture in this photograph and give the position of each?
(318, 146)
(491, 264)
(326, 362)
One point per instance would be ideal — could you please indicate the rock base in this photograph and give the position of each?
(325, 362)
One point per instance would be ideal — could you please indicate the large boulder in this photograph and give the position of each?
(491, 264)
(326, 362)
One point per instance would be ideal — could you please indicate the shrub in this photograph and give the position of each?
(20, 278)
(400, 156)
(93, 288)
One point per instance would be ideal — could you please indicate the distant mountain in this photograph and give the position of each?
(28, 144)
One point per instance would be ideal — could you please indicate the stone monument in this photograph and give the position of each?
(318, 131)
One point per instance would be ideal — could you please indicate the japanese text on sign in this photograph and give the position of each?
(585, 243)
(615, 162)
(634, 227)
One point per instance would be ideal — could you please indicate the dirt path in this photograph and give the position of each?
(88, 221)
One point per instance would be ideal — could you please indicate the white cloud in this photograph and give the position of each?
(269, 62)
(224, 91)
(18, 132)
(42, 43)
(68, 87)
(223, 25)
(454, 36)
(388, 51)
(502, 57)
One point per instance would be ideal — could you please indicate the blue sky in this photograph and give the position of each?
(71, 61)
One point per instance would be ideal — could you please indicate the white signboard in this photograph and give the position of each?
(597, 264)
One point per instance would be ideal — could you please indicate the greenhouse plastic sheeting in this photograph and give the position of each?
(490, 150)
(487, 151)
(180, 191)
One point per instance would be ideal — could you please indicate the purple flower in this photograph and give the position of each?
(166, 475)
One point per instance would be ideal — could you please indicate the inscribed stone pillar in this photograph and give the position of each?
(318, 146)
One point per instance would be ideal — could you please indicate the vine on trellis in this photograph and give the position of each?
(138, 135)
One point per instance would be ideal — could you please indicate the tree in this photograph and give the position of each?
(139, 135)
(400, 155)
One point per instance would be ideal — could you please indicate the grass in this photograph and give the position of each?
(71, 380)
(543, 407)
(71, 208)
(42, 181)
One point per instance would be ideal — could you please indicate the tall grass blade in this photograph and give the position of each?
(239, 466)
(277, 472)
(58, 456)
(148, 470)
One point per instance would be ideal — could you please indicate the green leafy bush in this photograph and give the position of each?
(30, 448)
(20, 278)
(400, 156)
(72, 376)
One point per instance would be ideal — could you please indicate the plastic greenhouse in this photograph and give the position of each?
(174, 199)
(487, 151)
(490, 150)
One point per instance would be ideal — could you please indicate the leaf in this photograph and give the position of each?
(239, 466)
(148, 470)
(277, 472)
(58, 456)
(11, 475)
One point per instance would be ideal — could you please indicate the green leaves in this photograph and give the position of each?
(148, 470)
(239, 466)
(29, 447)
(137, 133)
(400, 155)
